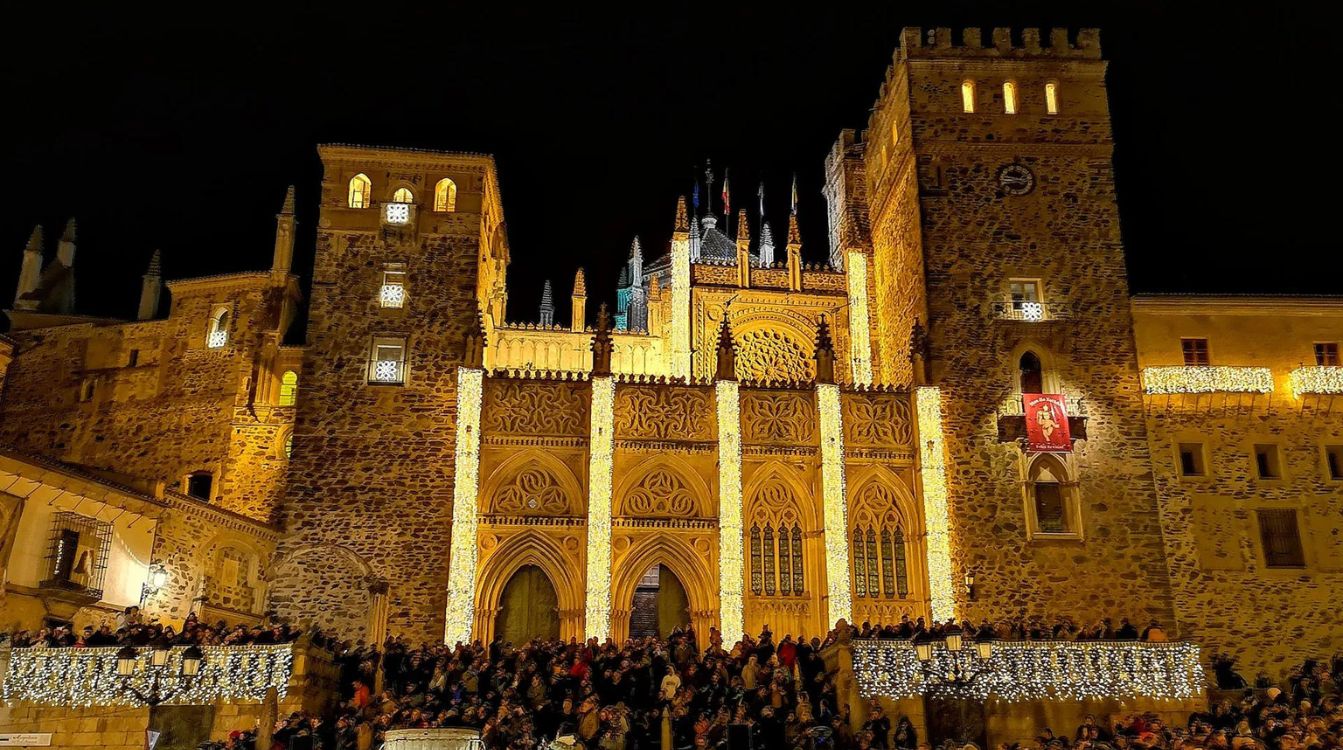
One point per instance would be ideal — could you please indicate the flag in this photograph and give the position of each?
(694, 197)
(793, 209)
(727, 204)
(762, 200)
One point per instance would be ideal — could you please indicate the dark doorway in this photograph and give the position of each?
(1032, 374)
(528, 608)
(660, 604)
(955, 719)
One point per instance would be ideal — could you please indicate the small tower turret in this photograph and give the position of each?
(636, 318)
(727, 352)
(825, 353)
(30, 274)
(794, 255)
(578, 303)
(284, 236)
(61, 296)
(601, 344)
(743, 250)
(151, 287)
(766, 245)
(547, 305)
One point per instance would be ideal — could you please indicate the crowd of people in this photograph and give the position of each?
(131, 629)
(1060, 628)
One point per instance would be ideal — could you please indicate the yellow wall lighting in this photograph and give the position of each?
(860, 341)
(680, 312)
(933, 474)
(1317, 381)
(835, 503)
(466, 483)
(1206, 379)
(730, 573)
(601, 448)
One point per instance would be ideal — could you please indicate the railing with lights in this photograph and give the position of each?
(1206, 379)
(1317, 381)
(1026, 670)
(1030, 312)
(127, 676)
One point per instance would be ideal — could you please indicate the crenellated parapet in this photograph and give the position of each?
(1002, 42)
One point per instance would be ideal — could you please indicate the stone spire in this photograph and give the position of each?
(61, 294)
(743, 250)
(283, 258)
(65, 251)
(30, 273)
(636, 262)
(682, 222)
(825, 353)
(601, 344)
(727, 352)
(151, 287)
(547, 305)
(636, 315)
(766, 245)
(578, 303)
(694, 241)
(794, 255)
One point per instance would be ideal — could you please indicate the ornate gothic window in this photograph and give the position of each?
(1032, 373)
(360, 189)
(859, 564)
(777, 556)
(1052, 506)
(755, 560)
(445, 196)
(879, 543)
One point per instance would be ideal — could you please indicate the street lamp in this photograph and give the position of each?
(962, 666)
(156, 577)
(157, 674)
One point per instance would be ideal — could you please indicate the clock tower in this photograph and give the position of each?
(994, 231)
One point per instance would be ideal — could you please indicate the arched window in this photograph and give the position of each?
(777, 559)
(403, 195)
(217, 336)
(880, 561)
(289, 445)
(1010, 97)
(1052, 98)
(1051, 496)
(288, 388)
(968, 96)
(1032, 373)
(361, 188)
(445, 196)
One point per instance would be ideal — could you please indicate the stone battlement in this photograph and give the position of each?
(938, 42)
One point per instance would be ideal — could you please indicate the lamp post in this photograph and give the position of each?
(963, 666)
(157, 672)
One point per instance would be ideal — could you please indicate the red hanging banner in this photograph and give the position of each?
(1046, 423)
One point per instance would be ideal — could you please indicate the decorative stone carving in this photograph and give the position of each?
(777, 417)
(878, 420)
(652, 413)
(535, 408)
(770, 356)
(660, 494)
(532, 492)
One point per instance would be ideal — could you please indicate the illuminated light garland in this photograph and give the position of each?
(730, 556)
(680, 313)
(1033, 670)
(601, 448)
(835, 503)
(860, 341)
(1316, 381)
(466, 485)
(933, 473)
(1207, 379)
(78, 677)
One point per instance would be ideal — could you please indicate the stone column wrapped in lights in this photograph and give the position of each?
(601, 449)
(933, 477)
(466, 485)
(731, 558)
(833, 493)
(860, 339)
(680, 294)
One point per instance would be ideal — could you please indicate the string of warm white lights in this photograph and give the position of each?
(1316, 381)
(730, 557)
(466, 482)
(1031, 670)
(933, 475)
(834, 502)
(680, 312)
(601, 447)
(860, 342)
(1207, 379)
(88, 676)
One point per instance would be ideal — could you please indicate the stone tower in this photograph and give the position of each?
(371, 477)
(989, 195)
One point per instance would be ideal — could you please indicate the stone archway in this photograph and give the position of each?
(691, 561)
(528, 607)
(327, 586)
(660, 604)
(558, 559)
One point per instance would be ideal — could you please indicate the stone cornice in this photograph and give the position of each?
(220, 517)
(1229, 304)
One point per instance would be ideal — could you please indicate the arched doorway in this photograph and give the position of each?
(528, 607)
(660, 604)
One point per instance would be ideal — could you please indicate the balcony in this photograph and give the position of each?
(1012, 420)
(1031, 312)
(1195, 379)
(1316, 381)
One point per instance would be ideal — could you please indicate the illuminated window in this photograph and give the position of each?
(1266, 462)
(288, 388)
(1027, 299)
(1281, 537)
(393, 292)
(360, 190)
(1195, 352)
(968, 96)
(445, 196)
(880, 564)
(77, 552)
(387, 361)
(1326, 354)
(1333, 461)
(403, 195)
(200, 485)
(217, 337)
(1051, 497)
(1191, 460)
(1010, 97)
(777, 557)
(1052, 98)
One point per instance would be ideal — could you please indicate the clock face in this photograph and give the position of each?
(397, 213)
(1015, 179)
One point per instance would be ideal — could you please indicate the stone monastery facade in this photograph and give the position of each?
(745, 440)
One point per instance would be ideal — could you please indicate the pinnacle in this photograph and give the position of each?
(288, 207)
(69, 235)
(35, 240)
(155, 264)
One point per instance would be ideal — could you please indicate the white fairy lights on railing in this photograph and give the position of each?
(834, 503)
(933, 475)
(1034, 670)
(79, 677)
(860, 337)
(1316, 381)
(730, 558)
(1207, 379)
(466, 482)
(601, 448)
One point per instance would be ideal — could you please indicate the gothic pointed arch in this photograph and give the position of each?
(531, 483)
(505, 557)
(322, 585)
(690, 560)
(663, 486)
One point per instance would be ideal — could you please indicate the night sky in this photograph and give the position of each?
(167, 131)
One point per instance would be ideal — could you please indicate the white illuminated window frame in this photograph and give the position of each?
(217, 335)
(1027, 296)
(387, 360)
(392, 294)
(396, 213)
